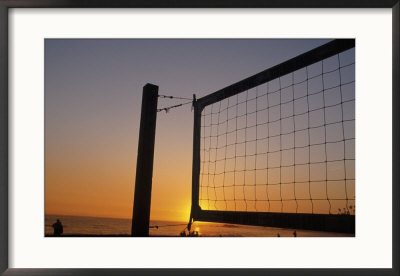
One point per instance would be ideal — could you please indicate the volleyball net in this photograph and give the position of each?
(278, 148)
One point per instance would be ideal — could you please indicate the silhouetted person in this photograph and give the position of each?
(58, 228)
(295, 234)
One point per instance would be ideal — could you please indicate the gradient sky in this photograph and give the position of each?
(93, 97)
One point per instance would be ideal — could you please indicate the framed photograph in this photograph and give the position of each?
(232, 138)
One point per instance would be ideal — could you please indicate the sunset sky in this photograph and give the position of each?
(93, 92)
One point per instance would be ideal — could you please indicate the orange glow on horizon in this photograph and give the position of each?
(101, 187)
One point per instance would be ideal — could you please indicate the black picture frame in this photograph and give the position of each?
(5, 5)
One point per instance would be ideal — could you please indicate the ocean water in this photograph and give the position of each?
(94, 226)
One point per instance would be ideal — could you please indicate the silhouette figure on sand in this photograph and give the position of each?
(58, 228)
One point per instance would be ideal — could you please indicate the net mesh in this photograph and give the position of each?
(285, 146)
